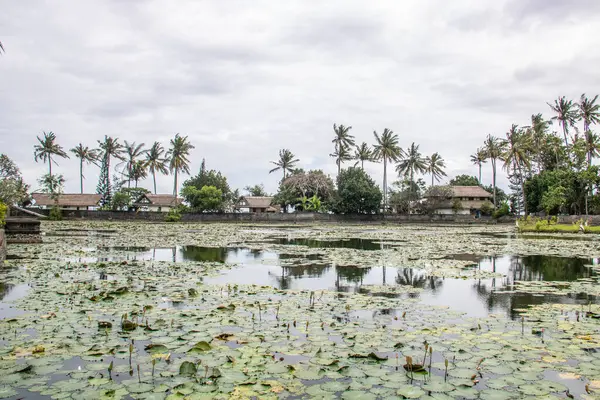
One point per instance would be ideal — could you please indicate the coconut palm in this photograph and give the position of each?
(139, 171)
(48, 148)
(343, 141)
(410, 162)
(516, 155)
(363, 153)
(386, 148)
(109, 147)
(2, 48)
(538, 130)
(592, 146)
(494, 148)
(435, 165)
(589, 112)
(85, 155)
(132, 152)
(156, 162)
(287, 162)
(178, 157)
(478, 159)
(567, 114)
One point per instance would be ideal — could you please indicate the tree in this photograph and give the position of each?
(589, 112)
(85, 154)
(287, 162)
(109, 147)
(567, 115)
(516, 155)
(592, 146)
(256, 190)
(206, 199)
(138, 172)
(386, 148)
(357, 193)
(13, 189)
(342, 141)
(411, 162)
(437, 196)
(464, 180)
(363, 153)
(121, 201)
(156, 162)
(178, 157)
(539, 136)
(52, 184)
(402, 193)
(305, 184)
(213, 178)
(132, 152)
(2, 48)
(478, 159)
(47, 148)
(494, 148)
(435, 165)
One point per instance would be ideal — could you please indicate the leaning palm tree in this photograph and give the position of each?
(343, 141)
(178, 157)
(435, 165)
(287, 162)
(132, 152)
(478, 159)
(156, 162)
(516, 155)
(567, 114)
(386, 148)
(85, 154)
(589, 112)
(411, 162)
(363, 153)
(47, 148)
(109, 147)
(494, 148)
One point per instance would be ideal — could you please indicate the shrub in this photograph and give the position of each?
(487, 208)
(55, 214)
(503, 210)
(456, 206)
(3, 212)
(173, 216)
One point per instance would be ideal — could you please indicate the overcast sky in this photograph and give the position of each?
(244, 79)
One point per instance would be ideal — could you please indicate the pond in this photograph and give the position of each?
(124, 310)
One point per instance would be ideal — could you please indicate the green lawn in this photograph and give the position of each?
(556, 228)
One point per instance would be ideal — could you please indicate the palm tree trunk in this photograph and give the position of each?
(494, 179)
(108, 196)
(384, 184)
(565, 135)
(81, 174)
(50, 165)
(175, 183)
(339, 163)
(411, 183)
(432, 179)
(523, 190)
(480, 173)
(362, 164)
(154, 180)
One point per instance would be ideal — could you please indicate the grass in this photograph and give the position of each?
(556, 228)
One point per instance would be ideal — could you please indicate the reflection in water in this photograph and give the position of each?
(8, 293)
(354, 243)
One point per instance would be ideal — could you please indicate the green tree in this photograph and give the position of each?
(156, 162)
(213, 178)
(464, 180)
(256, 190)
(206, 199)
(138, 171)
(386, 148)
(435, 165)
(538, 131)
(401, 194)
(592, 146)
(356, 193)
(479, 158)
(132, 152)
(567, 115)
(589, 112)
(554, 200)
(363, 153)
(342, 141)
(121, 201)
(437, 197)
(48, 148)
(178, 157)
(517, 155)
(494, 148)
(109, 147)
(85, 155)
(411, 162)
(13, 189)
(287, 162)
(52, 184)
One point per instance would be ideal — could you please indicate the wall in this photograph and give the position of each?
(2, 245)
(275, 217)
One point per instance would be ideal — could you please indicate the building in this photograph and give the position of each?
(471, 198)
(156, 202)
(67, 202)
(256, 204)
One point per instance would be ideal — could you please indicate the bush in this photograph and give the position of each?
(503, 210)
(55, 214)
(173, 216)
(487, 208)
(3, 212)
(456, 206)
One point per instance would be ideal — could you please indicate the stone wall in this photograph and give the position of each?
(2, 245)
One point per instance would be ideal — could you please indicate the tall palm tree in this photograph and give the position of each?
(517, 155)
(411, 161)
(592, 146)
(2, 48)
(156, 162)
(343, 141)
(478, 159)
(386, 148)
(567, 114)
(178, 157)
(85, 154)
(47, 148)
(132, 152)
(538, 131)
(589, 112)
(363, 153)
(287, 162)
(494, 148)
(435, 165)
(139, 171)
(109, 147)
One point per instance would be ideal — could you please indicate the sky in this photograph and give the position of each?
(245, 79)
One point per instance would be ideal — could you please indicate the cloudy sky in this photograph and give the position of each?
(244, 79)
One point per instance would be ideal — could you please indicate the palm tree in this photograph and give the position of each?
(343, 140)
(139, 171)
(516, 155)
(538, 132)
(109, 147)
(363, 153)
(589, 112)
(287, 162)
(567, 114)
(2, 48)
(435, 165)
(494, 148)
(411, 161)
(177, 155)
(47, 148)
(156, 162)
(132, 152)
(592, 146)
(85, 154)
(386, 148)
(478, 159)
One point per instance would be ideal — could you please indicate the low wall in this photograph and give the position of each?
(2, 245)
(593, 220)
(303, 217)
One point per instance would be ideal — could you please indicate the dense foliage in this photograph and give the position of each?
(212, 178)
(357, 193)
(206, 199)
(13, 189)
